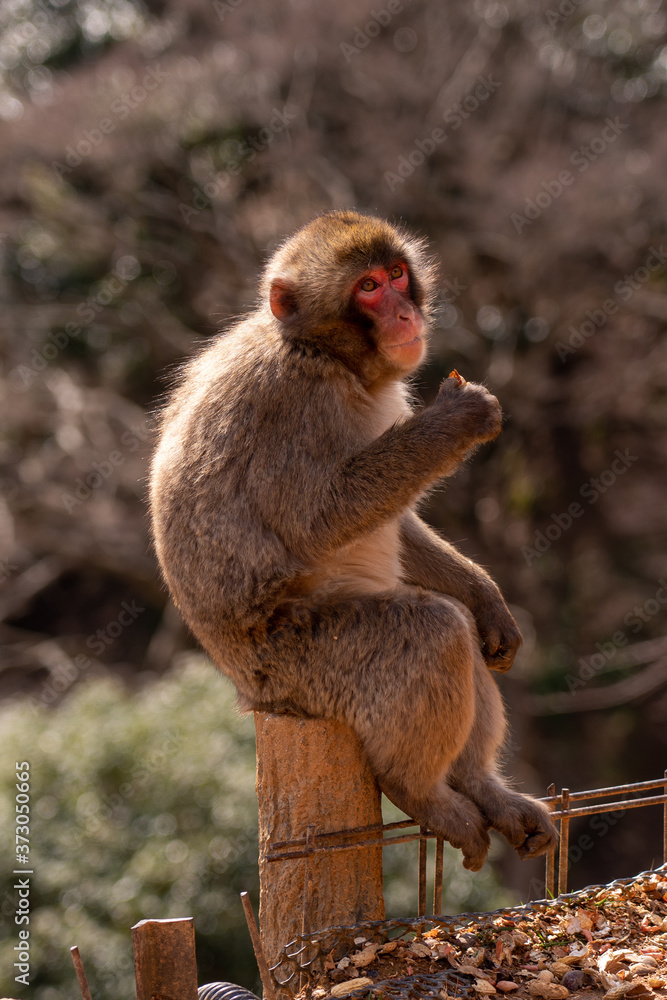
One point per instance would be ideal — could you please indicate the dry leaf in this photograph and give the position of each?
(645, 966)
(472, 970)
(342, 989)
(506, 987)
(638, 990)
(617, 991)
(363, 958)
(570, 960)
(559, 968)
(547, 991)
(576, 923)
(484, 986)
(505, 945)
(387, 948)
(420, 950)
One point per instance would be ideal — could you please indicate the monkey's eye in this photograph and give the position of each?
(368, 285)
(396, 272)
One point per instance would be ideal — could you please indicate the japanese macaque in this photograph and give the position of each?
(284, 491)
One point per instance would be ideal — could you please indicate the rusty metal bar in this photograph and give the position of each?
(400, 825)
(423, 846)
(563, 850)
(550, 864)
(437, 877)
(307, 879)
(596, 793)
(406, 838)
(260, 958)
(80, 973)
(409, 837)
(664, 825)
(404, 824)
(650, 800)
(164, 959)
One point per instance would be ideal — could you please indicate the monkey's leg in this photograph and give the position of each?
(398, 668)
(524, 822)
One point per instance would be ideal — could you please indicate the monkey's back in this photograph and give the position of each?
(248, 446)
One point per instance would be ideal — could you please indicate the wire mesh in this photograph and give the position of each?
(300, 959)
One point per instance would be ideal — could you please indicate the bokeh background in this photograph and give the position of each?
(151, 156)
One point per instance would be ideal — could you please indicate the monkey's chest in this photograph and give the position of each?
(366, 566)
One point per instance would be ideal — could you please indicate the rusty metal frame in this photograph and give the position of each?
(564, 810)
(371, 836)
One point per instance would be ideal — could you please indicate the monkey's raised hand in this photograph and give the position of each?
(498, 631)
(473, 412)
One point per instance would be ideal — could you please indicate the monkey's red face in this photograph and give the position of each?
(383, 295)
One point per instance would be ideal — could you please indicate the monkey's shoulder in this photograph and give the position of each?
(250, 376)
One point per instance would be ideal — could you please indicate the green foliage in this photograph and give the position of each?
(142, 806)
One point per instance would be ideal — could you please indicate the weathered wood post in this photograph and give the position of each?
(165, 966)
(313, 778)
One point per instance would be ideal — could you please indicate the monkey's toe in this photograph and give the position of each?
(473, 863)
(537, 843)
(475, 852)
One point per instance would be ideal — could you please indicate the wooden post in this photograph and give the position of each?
(313, 778)
(164, 959)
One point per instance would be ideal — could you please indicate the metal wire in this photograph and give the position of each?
(300, 956)
(224, 991)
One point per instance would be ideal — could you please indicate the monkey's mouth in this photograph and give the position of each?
(406, 343)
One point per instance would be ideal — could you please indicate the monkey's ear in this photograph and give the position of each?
(282, 299)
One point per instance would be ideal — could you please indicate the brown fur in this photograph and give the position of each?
(283, 492)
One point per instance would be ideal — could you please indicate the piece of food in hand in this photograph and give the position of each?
(459, 378)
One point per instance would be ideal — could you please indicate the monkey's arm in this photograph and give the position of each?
(431, 562)
(387, 476)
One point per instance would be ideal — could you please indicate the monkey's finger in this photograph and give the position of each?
(501, 661)
(538, 843)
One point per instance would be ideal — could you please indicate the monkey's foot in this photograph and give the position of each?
(525, 823)
(537, 843)
(460, 822)
(450, 815)
(474, 861)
